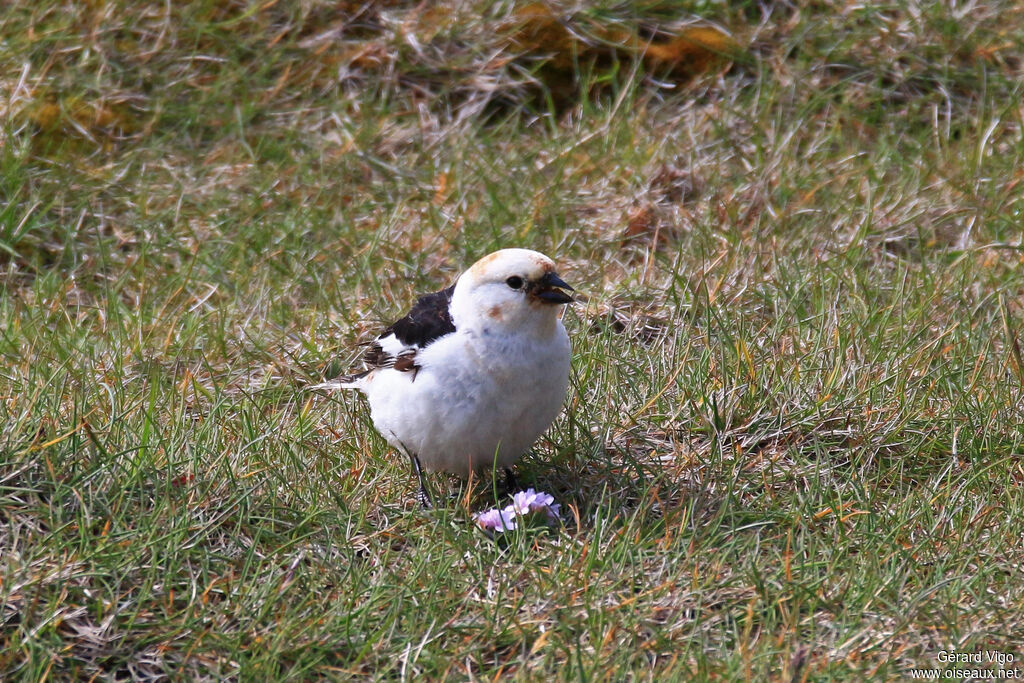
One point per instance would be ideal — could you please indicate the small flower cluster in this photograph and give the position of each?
(524, 503)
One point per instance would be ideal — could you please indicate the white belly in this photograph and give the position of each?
(474, 403)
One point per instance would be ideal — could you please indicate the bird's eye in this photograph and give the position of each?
(515, 282)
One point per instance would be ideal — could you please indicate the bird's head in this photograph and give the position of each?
(511, 288)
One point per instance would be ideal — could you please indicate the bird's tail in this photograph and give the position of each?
(343, 382)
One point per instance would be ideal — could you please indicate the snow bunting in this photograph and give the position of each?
(475, 373)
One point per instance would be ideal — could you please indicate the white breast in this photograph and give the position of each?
(477, 400)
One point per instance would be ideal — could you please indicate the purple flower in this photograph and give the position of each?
(529, 500)
(524, 503)
(496, 520)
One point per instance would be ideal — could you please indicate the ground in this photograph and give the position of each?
(792, 448)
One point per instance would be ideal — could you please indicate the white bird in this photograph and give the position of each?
(475, 373)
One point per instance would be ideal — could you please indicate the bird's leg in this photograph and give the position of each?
(511, 483)
(424, 495)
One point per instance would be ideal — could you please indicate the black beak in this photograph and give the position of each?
(551, 289)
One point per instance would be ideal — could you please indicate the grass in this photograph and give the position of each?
(792, 448)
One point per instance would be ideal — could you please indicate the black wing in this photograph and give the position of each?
(429, 319)
(397, 345)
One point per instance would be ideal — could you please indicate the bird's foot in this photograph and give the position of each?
(511, 483)
(423, 495)
(424, 498)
